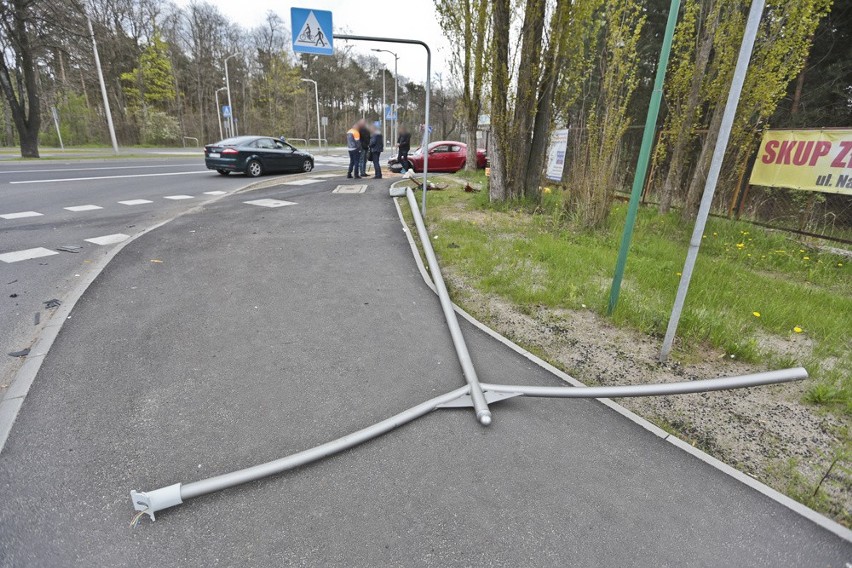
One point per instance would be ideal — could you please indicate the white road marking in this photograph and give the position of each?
(26, 254)
(350, 189)
(108, 239)
(327, 176)
(302, 181)
(95, 169)
(215, 192)
(177, 197)
(58, 180)
(77, 208)
(269, 203)
(21, 215)
(135, 202)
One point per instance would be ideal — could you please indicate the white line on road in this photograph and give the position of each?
(269, 202)
(108, 177)
(108, 239)
(77, 208)
(21, 215)
(48, 171)
(328, 176)
(215, 192)
(302, 181)
(26, 254)
(135, 202)
(177, 197)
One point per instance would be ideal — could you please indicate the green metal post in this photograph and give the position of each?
(644, 156)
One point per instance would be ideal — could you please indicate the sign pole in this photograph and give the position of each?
(743, 58)
(644, 157)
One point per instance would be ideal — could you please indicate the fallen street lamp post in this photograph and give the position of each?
(474, 394)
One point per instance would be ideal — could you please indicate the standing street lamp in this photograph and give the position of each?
(107, 111)
(384, 130)
(316, 97)
(219, 112)
(395, 131)
(228, 85)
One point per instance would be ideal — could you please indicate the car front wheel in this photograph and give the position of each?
(307, 166)
(254, 169)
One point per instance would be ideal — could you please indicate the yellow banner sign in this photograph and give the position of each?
(814, 160)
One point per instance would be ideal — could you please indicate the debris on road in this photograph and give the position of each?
(37, 318)
(13, 295)
(21, 353)
(54, 303)
(69, 248)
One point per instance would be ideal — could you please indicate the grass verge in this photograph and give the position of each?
(758, 296)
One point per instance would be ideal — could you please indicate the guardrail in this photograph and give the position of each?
(298, 140)
(185, 138)
(320, 142)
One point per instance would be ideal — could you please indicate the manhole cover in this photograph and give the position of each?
(350, 189)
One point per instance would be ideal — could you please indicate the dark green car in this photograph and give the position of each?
(255, 156)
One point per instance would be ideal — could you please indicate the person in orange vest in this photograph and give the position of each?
(353, 144)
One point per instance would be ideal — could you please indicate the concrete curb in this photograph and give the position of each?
(13, 398)
(776, 496)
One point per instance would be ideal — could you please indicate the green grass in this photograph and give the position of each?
(530, 255)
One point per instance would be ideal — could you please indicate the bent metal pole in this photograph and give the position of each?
(479, 403)
(149, 502)
(165, 497)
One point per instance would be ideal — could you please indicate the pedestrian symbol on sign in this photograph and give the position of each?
(311, 31)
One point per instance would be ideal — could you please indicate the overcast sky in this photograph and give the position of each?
(410, 19)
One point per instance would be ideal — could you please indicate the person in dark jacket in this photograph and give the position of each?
(403, 142)
(365, 144)
(377, 142)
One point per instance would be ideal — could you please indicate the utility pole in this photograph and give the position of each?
(103, 84)
(395, 130)
(752, 24)
(644, 156)
(219, 112)
(316, 97)
(228, 84)
(384, 110)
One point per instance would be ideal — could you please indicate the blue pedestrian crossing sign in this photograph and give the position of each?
(226, 111)
(312, 31)
(389, 113)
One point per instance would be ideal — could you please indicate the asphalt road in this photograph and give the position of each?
(34, 201)
(268, 330)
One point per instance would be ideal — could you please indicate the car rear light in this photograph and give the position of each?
(230, 151)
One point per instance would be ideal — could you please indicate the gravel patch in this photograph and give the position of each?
(758, 431)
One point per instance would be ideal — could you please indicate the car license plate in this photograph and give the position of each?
(214, 154)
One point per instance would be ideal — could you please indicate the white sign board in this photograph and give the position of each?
(556, 154)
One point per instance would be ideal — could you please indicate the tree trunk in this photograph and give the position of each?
(499, 94)
(696, 186)
(474, 102)
(674, 177)
(526, 95)
(554, 60)
(24, 102)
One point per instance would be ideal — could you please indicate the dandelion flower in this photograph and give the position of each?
(806, 258)
(756, 314)
(839, 264)
(741, 246)
(678, 273)
(797, 329)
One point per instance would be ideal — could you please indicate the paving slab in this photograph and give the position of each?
(265, 331)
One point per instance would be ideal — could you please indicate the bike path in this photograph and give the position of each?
(240, 334)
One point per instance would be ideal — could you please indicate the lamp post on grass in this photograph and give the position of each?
(316, 97)
(219, 112)
(394, 131)
(228, 85)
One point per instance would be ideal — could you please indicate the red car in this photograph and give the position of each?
(444, 156)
